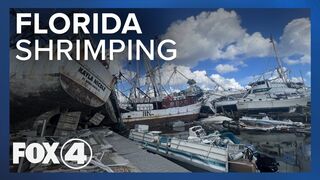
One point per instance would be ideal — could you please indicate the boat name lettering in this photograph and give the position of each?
(91, 78)
(146, 113)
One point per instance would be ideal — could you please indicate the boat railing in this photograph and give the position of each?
(143, 136)
(211, 155)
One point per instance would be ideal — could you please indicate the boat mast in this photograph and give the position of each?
(132, 84)
(302, 79)
(158, 61)
(138, 77)
(216, 83)
(280, 67)
(151, 74)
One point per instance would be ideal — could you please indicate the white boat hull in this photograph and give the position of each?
(272, 104)
(184, 113)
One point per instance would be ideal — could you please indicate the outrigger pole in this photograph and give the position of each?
(121, 75)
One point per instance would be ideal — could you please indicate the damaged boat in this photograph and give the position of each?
(267, 124)
(47, 88)
(214, 152)
(162, 107)
(274, 94)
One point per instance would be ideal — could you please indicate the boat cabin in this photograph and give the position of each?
(196, 132)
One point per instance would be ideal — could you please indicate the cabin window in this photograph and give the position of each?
(260, 90)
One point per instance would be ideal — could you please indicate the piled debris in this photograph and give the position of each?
(105, 158)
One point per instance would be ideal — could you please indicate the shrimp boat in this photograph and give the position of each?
(146, 114)
(158, 109)
(214, 152)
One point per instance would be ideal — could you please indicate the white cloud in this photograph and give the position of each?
(178, 82)
(120, 60)
(199, 76)
(297, 79)
(295, 42)
(219, 35)
(214, 35)
(304, 59)
(121, 97)
(227, 83)
(271, 75)
(308, 74)
(225, 68)
(308, 78)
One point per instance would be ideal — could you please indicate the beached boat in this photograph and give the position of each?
(40, 86)
(264, 99)
(147, 115)
(157, 108)
(51, 81)
(274, 94)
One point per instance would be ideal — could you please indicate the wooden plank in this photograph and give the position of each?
(68, 123)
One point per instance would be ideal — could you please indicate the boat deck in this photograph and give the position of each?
(143, 160)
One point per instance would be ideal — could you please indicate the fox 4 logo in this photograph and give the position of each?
(72, 153)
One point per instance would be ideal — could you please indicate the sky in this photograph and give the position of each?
(232, 46)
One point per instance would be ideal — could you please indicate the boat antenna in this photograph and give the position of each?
(301, 77)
